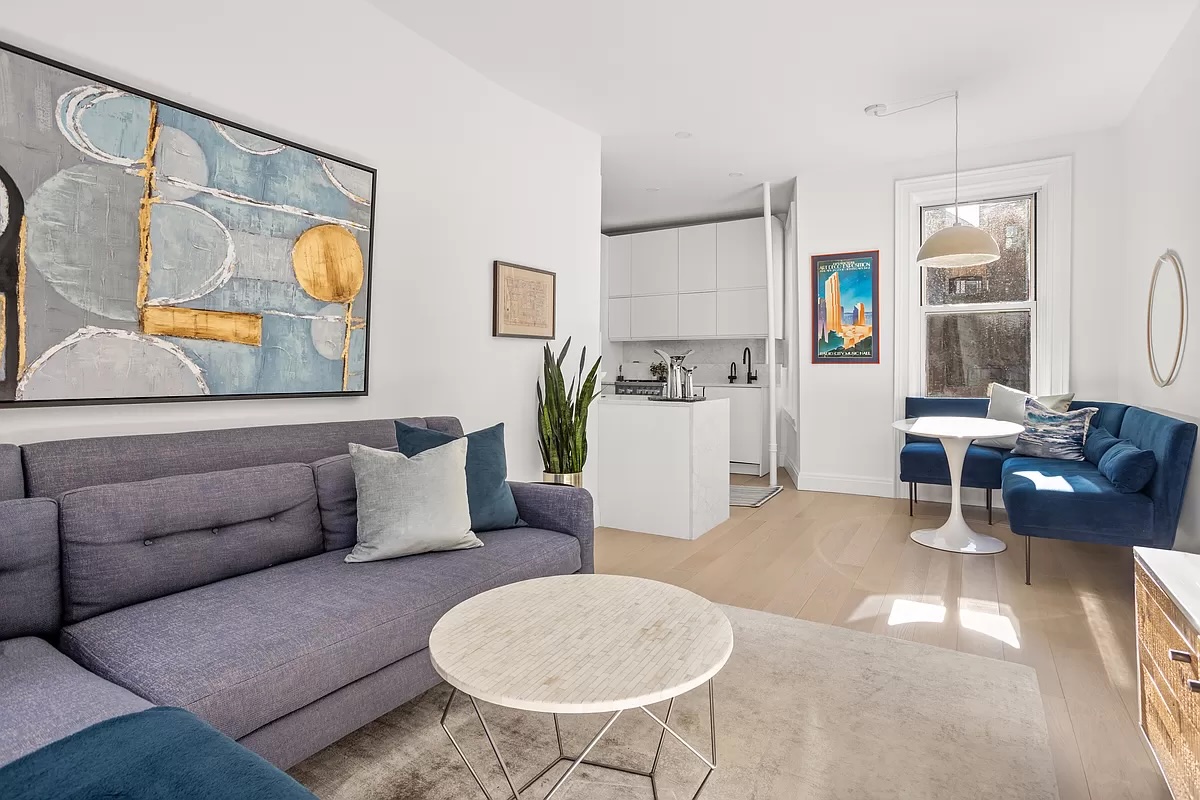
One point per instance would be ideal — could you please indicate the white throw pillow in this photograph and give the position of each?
(1008, 404)
(411, 505)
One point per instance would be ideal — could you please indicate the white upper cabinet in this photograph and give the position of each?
(741, 254)
(698, 258)
(696, 282)
(619, 261)
(654, 262)
(742, 312)
(618, 319)
(697, 315)
(654, 317)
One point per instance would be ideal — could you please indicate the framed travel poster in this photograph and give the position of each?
(152, 252)
(523, 302)
(845, 308)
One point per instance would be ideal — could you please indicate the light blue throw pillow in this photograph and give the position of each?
(1051, 434)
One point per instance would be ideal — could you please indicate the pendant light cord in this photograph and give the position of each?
(957, 219)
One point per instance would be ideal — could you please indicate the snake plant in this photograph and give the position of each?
(563, 413)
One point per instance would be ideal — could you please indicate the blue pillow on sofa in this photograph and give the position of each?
(1128, 468)
(488, 492)
(1098, 442)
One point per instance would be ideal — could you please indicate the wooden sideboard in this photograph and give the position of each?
(1167, 593)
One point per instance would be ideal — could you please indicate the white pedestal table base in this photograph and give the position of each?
(956, 535)
(517, 793)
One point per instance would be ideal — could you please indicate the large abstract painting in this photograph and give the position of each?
(151, 252)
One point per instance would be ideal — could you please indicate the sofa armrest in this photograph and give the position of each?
(560, 508)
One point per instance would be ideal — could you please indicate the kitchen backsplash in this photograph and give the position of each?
(711, 358)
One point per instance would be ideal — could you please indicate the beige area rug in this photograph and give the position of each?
(803, 711)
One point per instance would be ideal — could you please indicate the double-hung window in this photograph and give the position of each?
(979, 324)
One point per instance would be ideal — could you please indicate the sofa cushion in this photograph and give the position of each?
(1098, 442)
(1174, 444)
(30, 590)
(248, 650)
(1127, 468)
(12, 475)
(129, 542)
(1108, 416)
(408, 506)
(54, 467)
(45, 696)
(337, 499)
(491, 499)
(1059, 498)
(1052, 434)
(925, 462)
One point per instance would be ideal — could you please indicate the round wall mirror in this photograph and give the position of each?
(1167, 319)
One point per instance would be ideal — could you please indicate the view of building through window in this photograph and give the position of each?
(979, 320)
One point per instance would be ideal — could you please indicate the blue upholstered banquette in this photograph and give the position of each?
(1068, 499)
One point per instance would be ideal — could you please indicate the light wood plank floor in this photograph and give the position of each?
(848, 561)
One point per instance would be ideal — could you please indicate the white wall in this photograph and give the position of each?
(468, 173)
(846, 442)
(1160, 148)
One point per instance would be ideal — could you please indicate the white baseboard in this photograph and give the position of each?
(791, 470)
(842, 484)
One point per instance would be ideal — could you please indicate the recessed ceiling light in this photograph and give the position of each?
(683, 135)
(651, 188)
(736, 174)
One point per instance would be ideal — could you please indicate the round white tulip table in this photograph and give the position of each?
(582, 644)
(956, 435)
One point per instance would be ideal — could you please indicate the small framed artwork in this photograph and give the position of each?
(845, 310)
(523, 302)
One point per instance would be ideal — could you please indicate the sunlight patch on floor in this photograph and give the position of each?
(905, 611)
(989, 624)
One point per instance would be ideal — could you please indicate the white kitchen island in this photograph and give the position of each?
(663, 466)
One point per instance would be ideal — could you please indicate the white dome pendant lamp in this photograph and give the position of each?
(961, 244)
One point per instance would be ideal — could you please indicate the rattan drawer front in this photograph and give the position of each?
(1187, 759)
(1165, 633)
(1162, 732)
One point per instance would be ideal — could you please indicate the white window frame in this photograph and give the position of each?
(1051, 181)
(1030, 305)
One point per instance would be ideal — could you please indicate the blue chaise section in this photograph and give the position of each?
(1072, 500)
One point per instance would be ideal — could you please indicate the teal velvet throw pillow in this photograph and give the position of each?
(1127, 467)
(1099, 442)
(488, 493)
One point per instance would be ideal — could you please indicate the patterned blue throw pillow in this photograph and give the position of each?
(1050, 434)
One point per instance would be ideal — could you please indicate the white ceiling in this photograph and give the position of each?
(772, 88)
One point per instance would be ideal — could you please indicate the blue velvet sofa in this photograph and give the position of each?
(205, 571)
(1070, 500)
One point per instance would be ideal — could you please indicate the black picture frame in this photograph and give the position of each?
(368, 265)
(497, 267)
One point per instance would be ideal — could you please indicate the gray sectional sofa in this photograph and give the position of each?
(204, 570)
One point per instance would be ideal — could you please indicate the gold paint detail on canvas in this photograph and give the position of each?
(148, 199)
(21, 268)
(346, 350)
(194, 323)
(328, 263)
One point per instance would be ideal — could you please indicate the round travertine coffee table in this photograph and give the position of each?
(582, 644)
